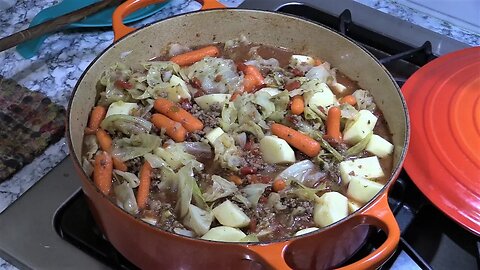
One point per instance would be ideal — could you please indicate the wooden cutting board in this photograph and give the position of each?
(29, 123)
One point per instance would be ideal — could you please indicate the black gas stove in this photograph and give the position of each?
(59, 232)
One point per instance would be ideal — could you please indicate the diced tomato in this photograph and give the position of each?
(258, 178)
(263, 199)
(252, 226)
(297, 72)
(123, 84)
(241, 66)
(293, 85)
(185, 104)
(248, 170)
(248, 145)
(195, 82)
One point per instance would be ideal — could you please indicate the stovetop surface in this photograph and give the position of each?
(57, 231)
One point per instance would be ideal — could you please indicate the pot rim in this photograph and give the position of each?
(394, 174)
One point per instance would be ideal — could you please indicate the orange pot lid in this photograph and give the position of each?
(443, 160)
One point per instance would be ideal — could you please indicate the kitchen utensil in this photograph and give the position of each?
(444, 156)
(141, 242)
(102, 18)
(52, 25)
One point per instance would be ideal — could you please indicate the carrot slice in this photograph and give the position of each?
(119, 165)
(302, 142)
(144, 186)
(278, 185)
(249, 83)
(104, 140)
(102, 172)
(96, 117)
(333, 124)
(188, 58)
(255, 73)
(173, 129)
(348, 99)
(235, 179)
(235, 95)
(297, 105)
(173, 111)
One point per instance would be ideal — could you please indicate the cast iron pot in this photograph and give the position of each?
(151, 248)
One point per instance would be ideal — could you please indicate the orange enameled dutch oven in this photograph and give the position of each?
(151, 248)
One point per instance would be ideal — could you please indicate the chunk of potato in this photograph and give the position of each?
(368, 167)
(206, 101)
(330, 208)
(353, 206)
(275, 150)
(362, 190)
(359, 127)
(298, 59)
(120, 107)
(322, 97)
(229, 214)
(224, 234)
(379, 146)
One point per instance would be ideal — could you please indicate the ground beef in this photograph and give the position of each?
(270, 223)
(253, 158)
(209, 118)
(195, 136)
(134, 164)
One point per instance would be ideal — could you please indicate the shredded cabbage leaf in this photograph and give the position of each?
(116, 72)
(253, 192)
(127, 177)
(185, 190)
(198, 220)
(176, 156)
(135, 146)
(220, 188)
(90, 146)
(216, 75)
(126, 198)
(360, 146)
(126, 124)
(364, 100)
(226, 153)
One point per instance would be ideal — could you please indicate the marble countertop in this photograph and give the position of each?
(64, 56)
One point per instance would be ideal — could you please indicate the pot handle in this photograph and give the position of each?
(379, 215)
(120, 30)
(273, 254)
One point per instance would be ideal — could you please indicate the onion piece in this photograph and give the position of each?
(128, 177)
(198, 149)
(241, 139)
